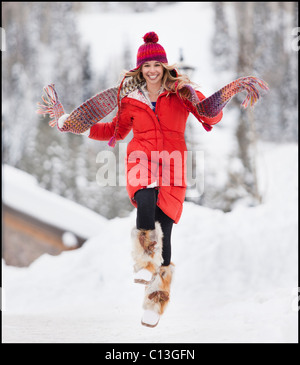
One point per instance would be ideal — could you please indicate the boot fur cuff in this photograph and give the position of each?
(157, 293)
(147, 248)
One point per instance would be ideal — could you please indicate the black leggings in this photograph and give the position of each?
(148, 213)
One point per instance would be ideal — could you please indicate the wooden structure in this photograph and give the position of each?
(25, 238)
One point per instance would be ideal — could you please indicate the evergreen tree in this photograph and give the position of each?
(221, 42)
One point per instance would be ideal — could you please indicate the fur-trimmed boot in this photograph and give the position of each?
(146, 253)
(157, 296)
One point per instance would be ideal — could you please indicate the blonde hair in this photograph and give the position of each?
(171, 81)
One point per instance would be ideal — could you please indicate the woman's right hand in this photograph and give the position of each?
(62, 119)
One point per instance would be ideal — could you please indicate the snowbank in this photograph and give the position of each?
(235, 279)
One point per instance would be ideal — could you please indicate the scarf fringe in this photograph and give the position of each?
(248, 84)
(51, 106)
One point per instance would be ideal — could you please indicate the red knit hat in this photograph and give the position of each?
(150, 50)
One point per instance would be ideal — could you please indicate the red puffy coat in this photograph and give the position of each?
(156, 153)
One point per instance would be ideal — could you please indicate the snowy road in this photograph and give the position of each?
(264, 318)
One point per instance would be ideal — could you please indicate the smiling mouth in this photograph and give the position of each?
(152, 77)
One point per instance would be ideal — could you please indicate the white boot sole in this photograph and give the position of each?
(149, 325)
(150, 319)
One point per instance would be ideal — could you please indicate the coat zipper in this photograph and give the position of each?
(156, 116)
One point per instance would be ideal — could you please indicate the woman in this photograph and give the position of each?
(158, 120)
(154, 101)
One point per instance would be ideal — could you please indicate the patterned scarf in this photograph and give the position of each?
(96, 108)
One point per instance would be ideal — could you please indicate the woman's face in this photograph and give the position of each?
(153, 73)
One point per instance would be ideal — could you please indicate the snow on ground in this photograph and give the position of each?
(235, 279)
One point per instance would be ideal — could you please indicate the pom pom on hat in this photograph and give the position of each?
(150, 37)
(150, 50)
